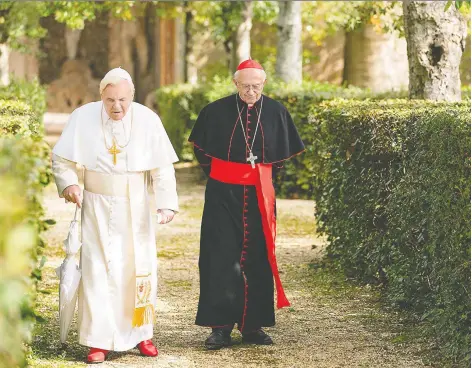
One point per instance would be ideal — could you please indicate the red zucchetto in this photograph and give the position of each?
(246, 64)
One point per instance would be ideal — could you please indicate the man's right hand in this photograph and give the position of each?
(73, 194)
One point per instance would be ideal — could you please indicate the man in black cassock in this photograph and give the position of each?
(238, 140)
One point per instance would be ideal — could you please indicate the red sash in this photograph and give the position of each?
(260, 176)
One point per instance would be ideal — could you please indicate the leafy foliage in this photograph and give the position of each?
(392, 192)
(24, 172)
(178, 108)
(324, 18)
(457, 3)
(31, 92)
(20, 20)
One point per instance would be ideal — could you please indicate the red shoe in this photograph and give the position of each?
(97, 355)
(147, 348)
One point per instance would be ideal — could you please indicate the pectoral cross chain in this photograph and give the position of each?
(252, 159)
(114, 151)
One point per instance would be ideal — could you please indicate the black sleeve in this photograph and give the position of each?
(203, 160)
(198, 134)
(291, 139)
(283, 139)
(197, 137)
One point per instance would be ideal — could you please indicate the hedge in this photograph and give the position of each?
(392, 193)
(24, 172)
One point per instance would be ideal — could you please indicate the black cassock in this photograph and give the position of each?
(236, 283)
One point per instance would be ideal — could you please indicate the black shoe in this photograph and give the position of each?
(257, 337)
(218, 339)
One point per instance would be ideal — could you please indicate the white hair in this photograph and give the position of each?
(113, 80)
(263, 74)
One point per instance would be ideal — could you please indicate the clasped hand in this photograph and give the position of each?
(164, 216)
(73, 194)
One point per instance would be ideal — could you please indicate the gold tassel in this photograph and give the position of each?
(143, 316)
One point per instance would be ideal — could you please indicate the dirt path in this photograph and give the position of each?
(329, 325)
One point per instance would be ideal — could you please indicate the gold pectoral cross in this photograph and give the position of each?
(114, 151)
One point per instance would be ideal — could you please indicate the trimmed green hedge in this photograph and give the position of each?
(392, 192)
(178, 107)
(24, 172)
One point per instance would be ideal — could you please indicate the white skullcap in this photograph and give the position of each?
(114, 76)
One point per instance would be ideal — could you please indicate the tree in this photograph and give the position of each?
(435, 41)
(242, 35)
(188, 59)
(230, 23)
(288, 66)
(20, 20)
(366, 27)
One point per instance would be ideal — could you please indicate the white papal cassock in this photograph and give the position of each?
(118, 242)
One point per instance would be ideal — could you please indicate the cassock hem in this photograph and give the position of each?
(229, 324)
(287, 158)
(112, 347)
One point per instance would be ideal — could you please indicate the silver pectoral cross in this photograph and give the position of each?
(252, 159)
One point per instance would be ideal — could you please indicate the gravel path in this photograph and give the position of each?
(330, 324)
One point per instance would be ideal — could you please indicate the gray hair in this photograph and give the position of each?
(113, 80)
(263, 74)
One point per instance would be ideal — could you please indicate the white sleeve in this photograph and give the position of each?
(165, 188)
(65, 173)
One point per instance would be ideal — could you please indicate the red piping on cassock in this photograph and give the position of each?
(261, 177)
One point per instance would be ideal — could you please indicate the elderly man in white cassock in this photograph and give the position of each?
(122, 145)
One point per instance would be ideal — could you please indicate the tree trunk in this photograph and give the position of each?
(435, 42)
(189, 57)
(288, 66)
(138, 51)
(227, 45)
(4, 68)
(72, 42)
(375, 60)
(242, 36)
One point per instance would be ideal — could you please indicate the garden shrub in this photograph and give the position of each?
(392, 193)
(24, 172)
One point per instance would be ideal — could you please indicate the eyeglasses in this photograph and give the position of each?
(255, 87)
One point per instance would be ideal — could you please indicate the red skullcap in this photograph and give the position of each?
(246, 64)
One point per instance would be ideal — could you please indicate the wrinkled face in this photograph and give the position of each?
(117, 99)
(250, 83)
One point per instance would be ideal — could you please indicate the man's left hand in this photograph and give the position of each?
(165, 215)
